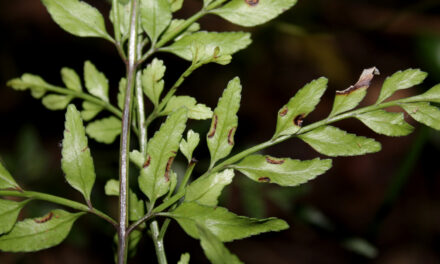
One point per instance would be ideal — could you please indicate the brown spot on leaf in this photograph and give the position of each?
(359, 145)
(415, 110)
(264, 179)
(214, 127)
(283, 111)
(231, 136)
(193, 160)
(84, 149)
(298, 120)
(168, 168)
(252, 2)
(44, 219)
(363, 82)
(272, 160)
(147, 162)
(67, 130)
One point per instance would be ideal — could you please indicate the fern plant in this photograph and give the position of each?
(142, 28)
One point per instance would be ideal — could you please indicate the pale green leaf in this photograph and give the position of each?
(176, 26)
(290, 116)
(225, 225)
(96, 82)
(175, 5)
(386, 123)
(136, 206)
(121, 94)
(104, 130)
(400, 80)
(349, 98)
(155, 17)
(90, 110)
(224, 122)
(214, 249)
(332, 141)
(77, 162)
(187, 146)
(284, 172)
(124, 18)
(77, 18)
(206, 190)
(195, 110)
(154, 179)
(39, 233)
(424, 113)
(9, 211)
(6, 180)
(56, 101)
(184, 258)
(71, 79)
(228, 43)
(29, 81)
(250, 13)
(152, 82)
(137, 158)
(432, 95)
(207, 2)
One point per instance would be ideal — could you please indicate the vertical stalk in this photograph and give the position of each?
(158, 243)
(131, 65)
(140, 103)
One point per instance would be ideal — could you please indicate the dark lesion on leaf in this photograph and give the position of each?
(147, 162)
(273, 160)
(168, 168)
(363, 82)
(252, 2)
(283, 111)
(84, 149)
(264, 179)
(298, 120)
(231, 136)
(44, 219)
(214, 127)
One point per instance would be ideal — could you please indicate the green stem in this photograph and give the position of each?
(158, 243)
(142, 135)
(309, 128)
(116, 23)
(59, 200)
(131, 64)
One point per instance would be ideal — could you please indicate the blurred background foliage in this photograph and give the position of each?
(380, 208)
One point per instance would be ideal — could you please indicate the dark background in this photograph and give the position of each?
(378, 208)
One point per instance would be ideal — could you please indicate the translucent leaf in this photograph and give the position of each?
(77, 162)
(6, 180)
(90, 110)
(250, 13)
(386, 123)
(71, 79)
(195, 110)
(187, 146)
(77, 18)
(152, 82)
(206, 190)
(29, 81)
(96, 82)
(334, 142)
(104, 130)
(225, 225)
(121, 94)
(400, 80)
(184, 258)
(424, 113)
(155, 17)
(290, 116)
(9, 211)
(284, 172)
(227, 42)
(351, 97)
(154, 179)
(175, 5)
(224, 122)
(136, 206)
(176, 26)
(39, 233)
(56, 102)
(214, 249)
